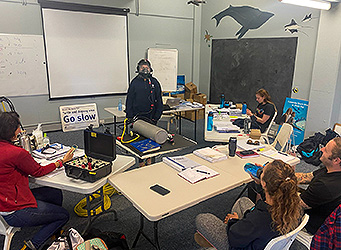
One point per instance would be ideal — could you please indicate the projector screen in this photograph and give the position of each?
(86, 49)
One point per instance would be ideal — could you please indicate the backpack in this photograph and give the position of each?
(309, 149)
(113, 240)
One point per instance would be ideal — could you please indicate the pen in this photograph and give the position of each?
(200, 171)
(282, 153)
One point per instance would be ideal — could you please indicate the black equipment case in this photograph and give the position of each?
(100, 151)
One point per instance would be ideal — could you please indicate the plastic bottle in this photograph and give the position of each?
(244, 108)
(120, 104)
(210, 121)
(38, 134)
(222, 101)
(254, 170)
(46, 140)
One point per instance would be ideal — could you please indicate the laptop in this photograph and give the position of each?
(173, 102)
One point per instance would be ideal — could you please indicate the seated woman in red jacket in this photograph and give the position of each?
(251, 226)
(19, 205)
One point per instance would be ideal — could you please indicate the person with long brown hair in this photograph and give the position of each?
(265, 111)
(251, 226)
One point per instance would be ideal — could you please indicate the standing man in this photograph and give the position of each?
(323, 194)
(144, 98)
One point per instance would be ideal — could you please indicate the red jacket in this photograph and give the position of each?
(15, 166)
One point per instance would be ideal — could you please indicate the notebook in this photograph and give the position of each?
(180, 163)
(210, 154)
(198, 173)
(247, 154)
(146, 146)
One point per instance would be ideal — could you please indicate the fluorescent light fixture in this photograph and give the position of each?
(317, 4)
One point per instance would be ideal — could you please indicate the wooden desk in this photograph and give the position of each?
(61, 181)
(135, 186)
(177, 112)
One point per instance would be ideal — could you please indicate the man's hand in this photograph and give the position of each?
(230, 216)
(304, 178)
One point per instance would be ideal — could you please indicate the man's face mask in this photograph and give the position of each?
(144, 71)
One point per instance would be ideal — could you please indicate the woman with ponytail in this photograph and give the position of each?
(264, 112)
(251, 226)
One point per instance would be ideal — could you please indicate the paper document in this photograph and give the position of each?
(210, 154)
(53, 152)
(198, 173)
(274, 154)
(225, 126)
(242, 143)
(180, 163)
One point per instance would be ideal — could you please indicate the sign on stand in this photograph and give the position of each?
(78, 117)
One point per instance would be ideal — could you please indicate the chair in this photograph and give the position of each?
(283, 136)
(265, 134)
(337, 128)
(8, 231)
(284, 242)
(305, 238)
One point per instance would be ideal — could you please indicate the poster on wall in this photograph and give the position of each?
(295, 113)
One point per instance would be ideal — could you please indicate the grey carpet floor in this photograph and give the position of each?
(175, 232)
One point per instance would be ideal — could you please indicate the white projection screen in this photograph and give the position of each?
(86, 49)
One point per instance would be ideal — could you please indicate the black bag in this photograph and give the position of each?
(113, 240)
(309, 149)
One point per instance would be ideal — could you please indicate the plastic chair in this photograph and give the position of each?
(283, 136)
(265, 134)
(284, 242)
(8, 231)
(305, 238)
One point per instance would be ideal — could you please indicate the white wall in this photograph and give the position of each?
(169, 24)
(325, 95)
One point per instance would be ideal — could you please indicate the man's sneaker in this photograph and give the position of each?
(201, 240)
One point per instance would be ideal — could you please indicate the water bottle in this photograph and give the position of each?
(210, 121)
(120, 104)
(254, 170)
(25, 142)
(222, 101)
(244, 108)
(46, 140)
(232, 146)
(247, 125)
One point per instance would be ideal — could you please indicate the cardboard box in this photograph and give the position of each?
(239, 106)
(190, 90)
(201, 98)
(182, 96)
(255, 134)
(189, 95)
(191, 115)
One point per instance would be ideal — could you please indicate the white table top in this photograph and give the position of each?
(214, 135)
(120, 114)
(61, 181)
(135, 185)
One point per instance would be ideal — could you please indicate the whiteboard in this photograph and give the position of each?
(165, 66)
(87, 53)
(22, 65)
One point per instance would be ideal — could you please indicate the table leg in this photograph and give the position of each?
(195, 125)
(156, 235)
(180, 124)
(140, 232)
(115, 125)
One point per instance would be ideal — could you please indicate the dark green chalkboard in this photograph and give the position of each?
(240, 68)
